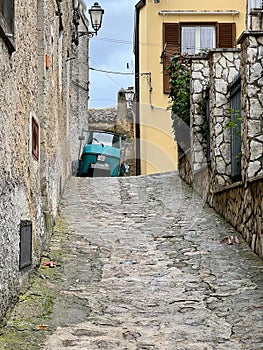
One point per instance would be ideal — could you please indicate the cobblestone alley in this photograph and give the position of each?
(143, 265)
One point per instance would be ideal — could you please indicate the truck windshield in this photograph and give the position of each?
(103, 138)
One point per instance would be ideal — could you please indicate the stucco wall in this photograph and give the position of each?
(151, 97)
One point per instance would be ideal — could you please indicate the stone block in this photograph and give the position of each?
(254, 128)
(218, 71)
(221, 85)
(253, 168)
(222, 62)
(252, 42)
(198, 87)
(251, 54)
(255, 72)
(252, 90)
(220, 166)
(256, 150)
(220, 99)
(197, 75)
(256, 109)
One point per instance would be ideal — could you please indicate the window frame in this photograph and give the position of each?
(7, 17)
(197, 28)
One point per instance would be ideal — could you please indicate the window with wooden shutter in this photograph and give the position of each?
(171, 46)
(226, 35)
(225, 38)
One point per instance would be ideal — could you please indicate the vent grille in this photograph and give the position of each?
(25, 258)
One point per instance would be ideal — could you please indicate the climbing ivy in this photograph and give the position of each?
(180, 87)
(179, 72)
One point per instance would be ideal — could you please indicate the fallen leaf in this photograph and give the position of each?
(230, 240)
(42, 327)
(50, 264)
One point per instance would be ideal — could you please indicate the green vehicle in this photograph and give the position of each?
(100, 155)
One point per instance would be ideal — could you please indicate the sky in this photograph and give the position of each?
(111, 50)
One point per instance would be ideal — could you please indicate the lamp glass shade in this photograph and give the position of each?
(96, 13)
(129, 94)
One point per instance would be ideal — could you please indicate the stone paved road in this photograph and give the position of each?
(144, 269)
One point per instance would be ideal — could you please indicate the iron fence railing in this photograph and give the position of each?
(207, 114)
(235, 127)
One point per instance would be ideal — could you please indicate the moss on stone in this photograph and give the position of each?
(24, 330)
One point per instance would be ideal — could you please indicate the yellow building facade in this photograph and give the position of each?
(164, 28)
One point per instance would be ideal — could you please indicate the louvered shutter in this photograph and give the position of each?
(226, 35)
(171, 45)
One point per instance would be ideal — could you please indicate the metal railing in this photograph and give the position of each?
(235, 127)
(207, 114)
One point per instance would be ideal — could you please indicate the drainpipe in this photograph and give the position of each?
(138, 7)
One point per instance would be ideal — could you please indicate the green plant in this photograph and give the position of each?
(235, 121)
(179, 73)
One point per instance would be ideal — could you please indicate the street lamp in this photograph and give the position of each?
(129, 95)
(96, 14)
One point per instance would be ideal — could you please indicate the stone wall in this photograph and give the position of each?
(198, 123)
(35, 112)
(252, 103)
(120, 120)
(242, 207)
(224, 67)
(19, 172)
(185, 167)
(210, 79)
(78, 67)
(102, 118)
(240, 202)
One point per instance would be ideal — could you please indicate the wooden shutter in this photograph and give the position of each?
(171, 46)
(35, 139)
(226, 35)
